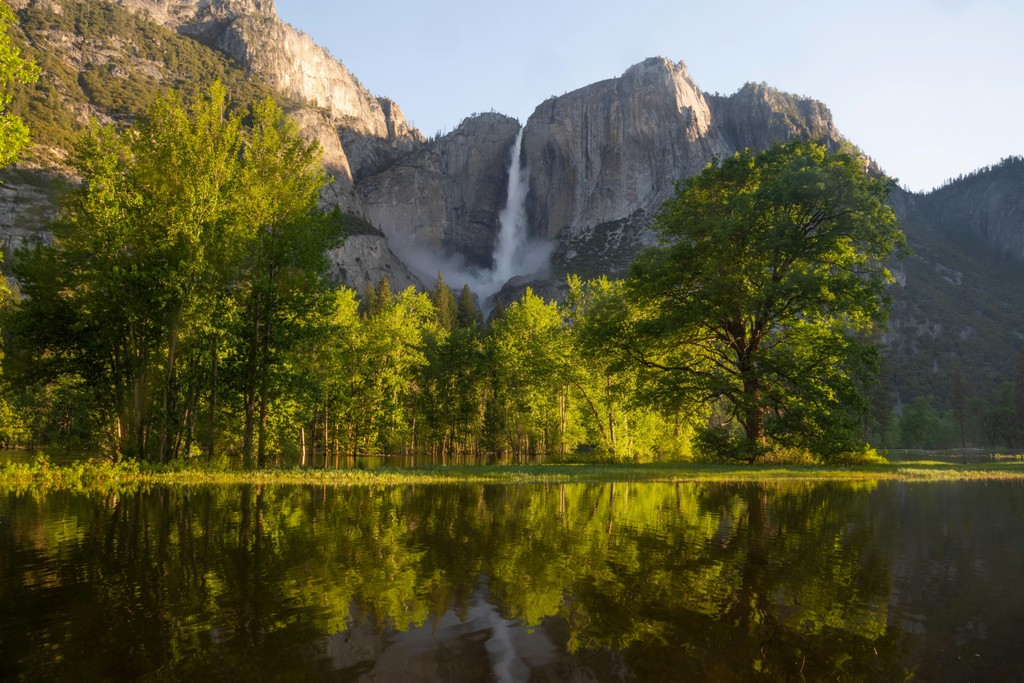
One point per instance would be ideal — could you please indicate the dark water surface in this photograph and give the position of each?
(623, 582)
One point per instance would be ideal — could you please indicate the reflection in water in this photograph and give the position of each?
(560, 582)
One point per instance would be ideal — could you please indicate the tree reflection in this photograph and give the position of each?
(653, 581)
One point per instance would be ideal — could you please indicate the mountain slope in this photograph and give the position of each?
(108, 62)
(960, 299)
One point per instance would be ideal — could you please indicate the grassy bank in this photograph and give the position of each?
(43, 475)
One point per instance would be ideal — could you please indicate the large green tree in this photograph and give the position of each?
(772, 273)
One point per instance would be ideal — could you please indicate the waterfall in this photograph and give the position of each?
(512, 219)
(514, 252)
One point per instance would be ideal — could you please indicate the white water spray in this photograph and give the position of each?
(515, 254)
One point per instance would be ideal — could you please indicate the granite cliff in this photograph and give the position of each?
(958, 297)
(446, 196)
(604, 158)
(605, 151)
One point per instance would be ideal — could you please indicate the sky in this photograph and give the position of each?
(929, 88)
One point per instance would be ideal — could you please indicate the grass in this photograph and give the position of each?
(43, 475)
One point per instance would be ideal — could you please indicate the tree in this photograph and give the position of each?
(13, 139)
(528, 350)
(192, 237)
(13, 69)
(1018, 398)
(921, 426)
(444, 303)
(620, 410)
(280, 277)
(958, 396)
(772, 274)
(467, 313)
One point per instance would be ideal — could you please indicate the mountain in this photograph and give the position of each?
(959, 300)
(600, 161)
(108, 61)
(605, 157)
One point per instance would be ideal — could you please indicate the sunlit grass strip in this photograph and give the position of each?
(98, 477)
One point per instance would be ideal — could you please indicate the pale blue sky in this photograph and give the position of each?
(929, 88)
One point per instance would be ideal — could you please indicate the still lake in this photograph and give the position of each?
(575, 582)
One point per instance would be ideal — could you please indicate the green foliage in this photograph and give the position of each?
(194, 243)
(772, 274)
(129, 62)
(445, 306)
(722, 444)
(622, 415)
(528, 350)
(467, 314)
(921, 426)
(13, 70)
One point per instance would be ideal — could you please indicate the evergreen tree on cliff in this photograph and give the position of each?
(760, 302)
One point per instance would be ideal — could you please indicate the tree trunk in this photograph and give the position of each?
(753, 428)
(751, 410)
(327, 435)
(170, 392)
(213, 400)
(250, 389)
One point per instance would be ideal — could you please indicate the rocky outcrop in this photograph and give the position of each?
(314, 124)
(198, 16)
(249, 32)
(758, 116)
(446, 196)
(605, 157)
(603, 152)
(366, 258)
(324, 100)
(957, 299)
(291, 63)
(28, 202)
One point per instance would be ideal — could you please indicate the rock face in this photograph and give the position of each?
(758, 116)
(958, 295)
(325, 101)
(605, 151)
(28, 202)
(291, 63)
(986, 206)
(314, 124)
(446, 196)
(249, 32)
(197, 15)
(605, 157)
(364, 259)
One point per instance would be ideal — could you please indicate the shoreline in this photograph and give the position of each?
(100, 477)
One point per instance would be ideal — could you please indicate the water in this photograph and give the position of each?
(623, 582)
(515, 253)
(509, 251)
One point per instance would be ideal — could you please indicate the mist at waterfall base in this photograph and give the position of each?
(516, 254)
